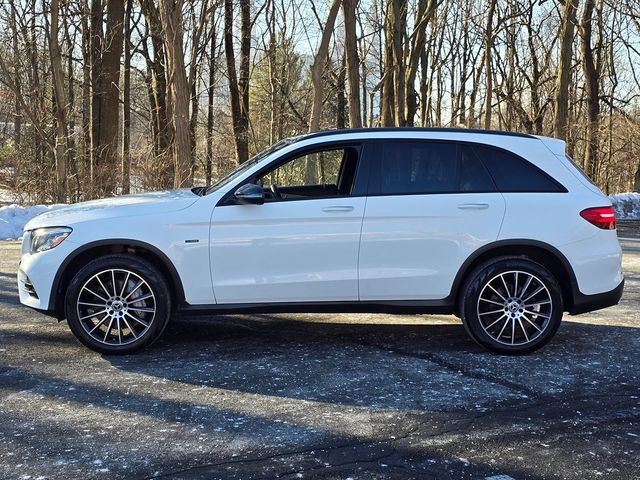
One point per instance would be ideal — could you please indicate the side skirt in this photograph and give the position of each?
(444, 307)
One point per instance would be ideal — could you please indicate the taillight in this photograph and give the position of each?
(601, 217)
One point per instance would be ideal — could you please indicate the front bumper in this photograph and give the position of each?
(36, 274)
(587, 303)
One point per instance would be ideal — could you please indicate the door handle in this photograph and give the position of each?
(338, 208)
(473, 206)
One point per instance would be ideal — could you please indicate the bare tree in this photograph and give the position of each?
(107, 51)
(591, 84)
(319, 62)
(13, 22)
(353, 63)
(487, 63)
(126, 103)
(403, 51)
(156, 82)
(424, 14)
(239, 80)
(563, 76)
(178, 87)
(61, 150)
(213, 55)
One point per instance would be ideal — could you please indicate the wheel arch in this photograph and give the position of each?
(79, 257)
(540, 252)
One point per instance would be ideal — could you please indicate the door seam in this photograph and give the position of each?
(364, 213)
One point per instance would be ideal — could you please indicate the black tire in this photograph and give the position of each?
(520, 328)
(139, 269)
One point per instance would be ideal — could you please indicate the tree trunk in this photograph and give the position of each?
(210, 103)
(592, 89)
(238, 81)
(72, 165)
(60, 150)
(106, 96)
(353, 63)
(178, 87)
(511, 37)
(464, 73)
(563, 77)
(318, 66)
(399, 81)
(275, 117)
(195, 55)
(475, 83)
(95, 52)
(17, 116)
(86, 100)
(487, 64)
(387, 99)
(424, 14)
(162, 130)
(536, 103)
(424, 92)
(341, 99)
(126, 101)
(193, 124)
(243, 73)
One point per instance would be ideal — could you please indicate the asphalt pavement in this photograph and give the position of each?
(322, 397)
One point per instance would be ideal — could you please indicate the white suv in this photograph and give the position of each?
(501, 229)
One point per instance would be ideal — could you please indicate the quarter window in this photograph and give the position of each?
(514, 174)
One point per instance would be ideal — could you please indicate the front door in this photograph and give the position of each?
(301, 245)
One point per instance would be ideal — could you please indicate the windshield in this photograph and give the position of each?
(250, 163)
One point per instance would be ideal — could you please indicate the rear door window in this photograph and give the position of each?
(424, 167)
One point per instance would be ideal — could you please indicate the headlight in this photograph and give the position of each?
(43, 239)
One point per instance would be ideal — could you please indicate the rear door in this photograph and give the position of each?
(430, 205)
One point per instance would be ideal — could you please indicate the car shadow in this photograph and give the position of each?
(407, 363)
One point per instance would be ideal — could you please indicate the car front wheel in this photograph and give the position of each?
(117, 304)
(511, 305)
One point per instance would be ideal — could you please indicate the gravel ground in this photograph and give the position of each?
(328, 397)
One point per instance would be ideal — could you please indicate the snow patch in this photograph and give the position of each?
(7, 196)
(627, 205)
(13, 218)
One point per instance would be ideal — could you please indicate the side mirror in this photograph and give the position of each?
(250, 194)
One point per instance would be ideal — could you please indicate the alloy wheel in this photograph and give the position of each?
(116, 307)
(514, 308)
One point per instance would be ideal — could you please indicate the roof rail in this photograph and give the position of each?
(322, 133)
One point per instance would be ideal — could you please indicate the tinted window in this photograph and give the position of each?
(429, 167)
(473, 175)
(514, 174)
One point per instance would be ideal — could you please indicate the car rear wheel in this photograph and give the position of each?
(117, 304)
(511, 305)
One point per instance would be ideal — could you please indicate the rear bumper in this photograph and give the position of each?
(587, 303)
